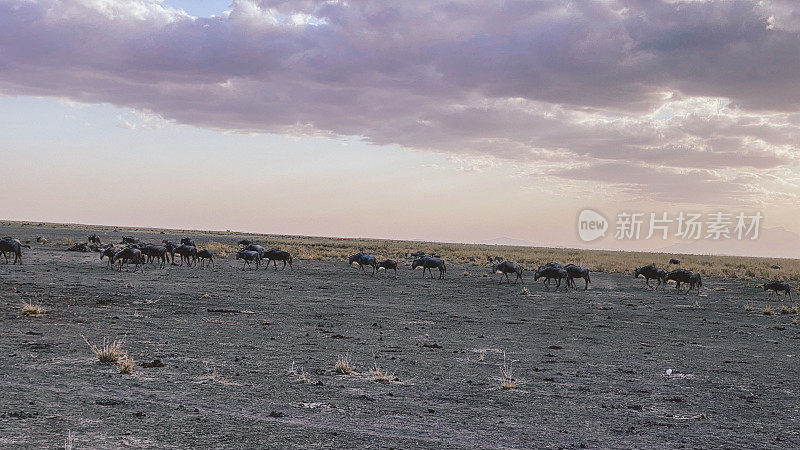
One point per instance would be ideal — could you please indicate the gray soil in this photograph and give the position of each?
(591, 368)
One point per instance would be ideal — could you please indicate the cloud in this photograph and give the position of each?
(659, 88)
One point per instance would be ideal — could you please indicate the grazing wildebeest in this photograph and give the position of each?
(129, 240)
(364, 259)
(155, 252)
(549, 272)
(13, 246)
(687, 277)
(109, 253)
(187, 252)
(651, 271)
(388, 264)
(83, 247)
(244, 242)
(274, 255)
(429, 263)
(95, 239)
(675, 261)
(248, 256)
(507, 267)
(574, 272)
(129, 254)
(202, 255)
(188, 241)
(776, 286)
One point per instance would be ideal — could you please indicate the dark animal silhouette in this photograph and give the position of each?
(364, 259)
(171, 247)
(574, 272)
(13, 246)
(155, 253)
(553, 272)
(675, 261)
(650, 272)
(244, 242)
(129, 254)
(387, 265)
(683, 276)
(188, 241)
(95, 239)
(109, 253)
(187, 252)
(507, 267)
(248, 256)
(129, 240)
(274, 255)
(429, 263)
(776, 286)
(203, 255)
(255, 248)
(82, 247)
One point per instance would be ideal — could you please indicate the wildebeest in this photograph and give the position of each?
(686, 277)
(675, 261)
(171, 247)
(507, 267)
(255, 248)
(203, 255)
(244, 242)
(549, 272)
(109, 253)
(83, 247)
(155, 252)
(248, 256)
(429, 263)
(574, 272)
(94, 239)
(187, 252)
(651, 271)
(130, 254)
(776, 286)
(129, 240)
(13, 246)
(364, 259)
(388, 264)
(274, 255)
(188, 241)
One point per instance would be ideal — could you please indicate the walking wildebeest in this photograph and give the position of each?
(255, 248)
(686, 277)
(187, 252)
(171, 247)
(109, 253)
(776, 286)
(364, 259)
(129, 240)
(388, 264)
(155, 252)
(13, 246)
(675, 261)
(549, 272)
(507, 267)
(429, 263)
(129, 254)
(274, 255)
(574, 272)
(651, 271)
(95, 239)
(188, 241)
(202, 255)
(248, 256)
(244, 242)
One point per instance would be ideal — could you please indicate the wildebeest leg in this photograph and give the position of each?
(587, 284)
(647, 282)
(291, 267)
(395, 272)
(284, 265)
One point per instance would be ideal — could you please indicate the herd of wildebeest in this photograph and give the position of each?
(133, 251)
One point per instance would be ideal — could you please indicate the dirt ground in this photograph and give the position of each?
(615, 366)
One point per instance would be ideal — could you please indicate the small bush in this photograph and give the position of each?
(507, 374)
(380, 375)
(343, 365)
(108, 353)
(29, 309)
(125, 364)
(789, 310)
(768, 311)
(748, 308)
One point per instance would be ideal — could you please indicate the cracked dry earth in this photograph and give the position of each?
(616, 366)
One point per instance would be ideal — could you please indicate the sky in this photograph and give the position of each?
(466, 121)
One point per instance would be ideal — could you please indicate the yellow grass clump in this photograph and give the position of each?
(507, 374)
(380, 375)
(29, 309)
(344, 365)
(108, 352)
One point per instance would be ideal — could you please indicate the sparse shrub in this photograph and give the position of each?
(380, 375)
(343, 365)
(789, 310)
(108, 353)
(507, 374)
(299, 374)
(748, 308)
(29, 309)
(125, 364)
(465, 274)
(525, 291)
(768, 311)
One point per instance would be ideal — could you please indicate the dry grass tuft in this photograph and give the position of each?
(344, 365)
(507, 374)
(525, 291)
(299, 373)
(380, 375)
(768, 311)
(68, 441)
(205, 296)
(789, 310)
(220, 249)
(125, 364)
(748, 308)
(108, 352)
(29, 309)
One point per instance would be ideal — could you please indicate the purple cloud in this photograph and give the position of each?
(657, 87)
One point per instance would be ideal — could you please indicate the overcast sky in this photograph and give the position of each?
(458, 121)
